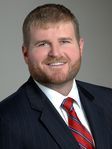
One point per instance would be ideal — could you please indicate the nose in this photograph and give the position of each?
(55, 51)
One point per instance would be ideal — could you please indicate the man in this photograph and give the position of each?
(35, 116)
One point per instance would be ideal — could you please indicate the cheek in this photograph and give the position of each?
(37, 57)
(73, 54)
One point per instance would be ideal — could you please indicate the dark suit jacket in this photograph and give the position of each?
(29, 121)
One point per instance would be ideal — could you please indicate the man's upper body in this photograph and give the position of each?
(52, 49)
(28, 120)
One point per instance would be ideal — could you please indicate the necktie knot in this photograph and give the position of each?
(68, 104)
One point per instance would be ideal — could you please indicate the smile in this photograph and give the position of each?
(56, 64)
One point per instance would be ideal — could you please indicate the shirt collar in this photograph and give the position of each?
(56, 98)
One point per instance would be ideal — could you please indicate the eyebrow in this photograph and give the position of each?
(66, 38)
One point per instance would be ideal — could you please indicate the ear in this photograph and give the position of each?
(25, 53)
(81, 45)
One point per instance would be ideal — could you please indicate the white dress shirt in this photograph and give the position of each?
(57, 99)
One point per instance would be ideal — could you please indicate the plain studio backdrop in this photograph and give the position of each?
(95, 19)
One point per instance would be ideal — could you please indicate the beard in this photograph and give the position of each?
(54, 76)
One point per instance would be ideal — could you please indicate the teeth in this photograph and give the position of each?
(56, 64)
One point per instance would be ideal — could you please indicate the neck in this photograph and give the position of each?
(63, 89)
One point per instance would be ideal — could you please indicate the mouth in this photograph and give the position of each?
(57, 64)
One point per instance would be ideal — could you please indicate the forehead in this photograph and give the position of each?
(65, 27)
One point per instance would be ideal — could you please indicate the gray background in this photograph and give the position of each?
(95, 18)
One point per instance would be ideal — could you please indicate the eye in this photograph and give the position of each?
(65, 41)
(42, 44)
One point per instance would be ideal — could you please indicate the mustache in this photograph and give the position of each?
(51, 60)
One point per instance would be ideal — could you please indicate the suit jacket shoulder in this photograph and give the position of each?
(96, 90)
(102, 97)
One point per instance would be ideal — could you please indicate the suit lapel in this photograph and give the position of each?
(96, 119)
(57, 127)
(50, 117)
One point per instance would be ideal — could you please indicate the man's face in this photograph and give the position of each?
(54, 54)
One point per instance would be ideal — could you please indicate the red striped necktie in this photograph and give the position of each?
(81, 134)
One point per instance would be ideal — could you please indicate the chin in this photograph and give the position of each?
(59, 79)
(51, 79)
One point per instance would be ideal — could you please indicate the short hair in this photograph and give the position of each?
(45, 14)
